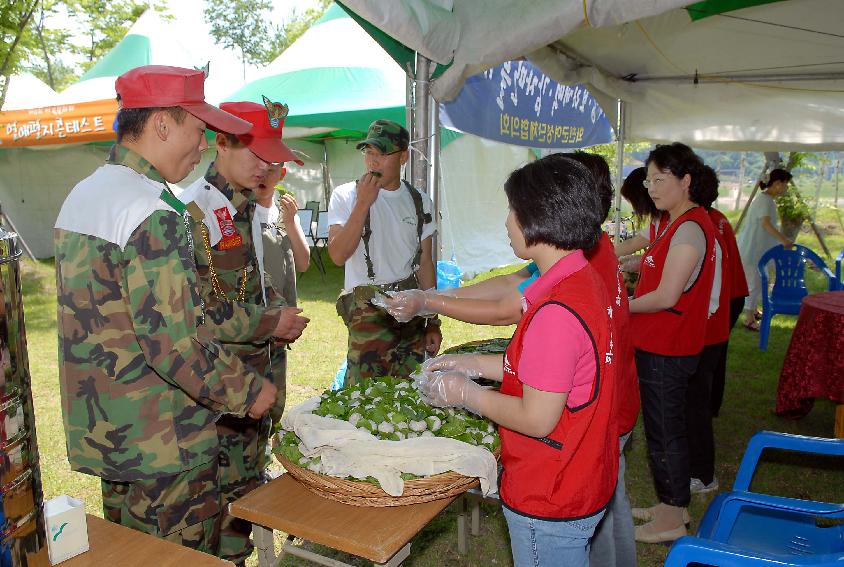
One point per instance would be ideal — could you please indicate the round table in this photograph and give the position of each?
(814, 364)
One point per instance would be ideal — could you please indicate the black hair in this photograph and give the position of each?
(600, 171)
(555, 202)
(708, 187)
(131, 121)
(232, 139)
(777, 174)
(680, 160)
(633, 189)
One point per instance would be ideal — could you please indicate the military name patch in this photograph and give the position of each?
(231, 239)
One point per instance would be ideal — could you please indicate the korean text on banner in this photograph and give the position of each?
(64, 124)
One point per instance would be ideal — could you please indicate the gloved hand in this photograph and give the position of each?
(450, 389)
(631, 263)
(464, 363)
(405, 305)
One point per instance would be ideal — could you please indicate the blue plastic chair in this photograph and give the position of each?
(839, 283)
(749, 528)
(789, 284)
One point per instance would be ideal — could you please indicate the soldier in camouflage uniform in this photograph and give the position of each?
(380, 229)
(142, 380)
(246, 313)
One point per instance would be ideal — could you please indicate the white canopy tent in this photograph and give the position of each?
(767, 76)
(28, 91)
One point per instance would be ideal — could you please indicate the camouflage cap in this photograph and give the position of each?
(387, 136)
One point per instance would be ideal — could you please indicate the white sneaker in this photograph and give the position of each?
(696, 486)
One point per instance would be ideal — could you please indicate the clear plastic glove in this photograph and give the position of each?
(464, 363)
(631, 263)
(405, 305)
(450, 389)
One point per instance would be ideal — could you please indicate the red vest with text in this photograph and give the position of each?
(602, 257)
(718, 325)
(571, 473)
(680, 329)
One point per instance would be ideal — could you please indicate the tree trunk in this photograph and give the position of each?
(50, 79)
(6, 66)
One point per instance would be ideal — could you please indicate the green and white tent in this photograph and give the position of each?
(337, 80)
(333, 78)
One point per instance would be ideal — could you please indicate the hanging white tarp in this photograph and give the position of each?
(769, 76)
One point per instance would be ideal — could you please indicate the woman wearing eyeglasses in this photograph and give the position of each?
(668, 321)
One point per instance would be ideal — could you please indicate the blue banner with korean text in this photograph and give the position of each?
(516, 103)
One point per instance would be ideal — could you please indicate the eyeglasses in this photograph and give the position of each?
(375, 154)
(652, 183)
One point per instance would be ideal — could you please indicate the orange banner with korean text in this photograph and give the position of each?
(62, 124)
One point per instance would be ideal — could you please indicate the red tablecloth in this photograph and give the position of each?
(814, 365)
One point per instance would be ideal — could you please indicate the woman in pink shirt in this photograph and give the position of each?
(559, 440)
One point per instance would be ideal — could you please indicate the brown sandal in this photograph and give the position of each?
(752, 326)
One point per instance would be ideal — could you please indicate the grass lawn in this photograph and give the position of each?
(748, 407)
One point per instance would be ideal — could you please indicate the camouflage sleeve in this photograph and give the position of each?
(160, 280)
(239, 322)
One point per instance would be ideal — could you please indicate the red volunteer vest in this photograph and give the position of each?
(680, 329)
(602, 257)
(737, 281)
(718, 324)
(572, 472)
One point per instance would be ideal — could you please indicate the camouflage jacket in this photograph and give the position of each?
(142, 380)
(244, 326)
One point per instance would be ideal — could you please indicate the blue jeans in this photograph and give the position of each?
(538, 543)
(614, 543)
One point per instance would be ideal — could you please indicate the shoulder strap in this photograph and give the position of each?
(367, 234)
(421, 219)
(168, 197)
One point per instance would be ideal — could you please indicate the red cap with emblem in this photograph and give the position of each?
(163, 86)
(264, 139)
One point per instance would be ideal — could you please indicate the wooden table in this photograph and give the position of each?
(118, 546)
(381, 535)
(814, 365)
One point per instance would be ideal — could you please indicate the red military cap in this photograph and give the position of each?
(264, 139)
(161, 85)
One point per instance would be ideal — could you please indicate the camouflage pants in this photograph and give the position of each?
(183, 508)
(381, 346)
(244, 454)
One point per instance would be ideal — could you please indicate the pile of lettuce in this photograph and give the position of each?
(392, 410)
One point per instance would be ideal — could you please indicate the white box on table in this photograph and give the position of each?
(67, 528)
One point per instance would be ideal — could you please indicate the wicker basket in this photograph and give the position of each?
(357, 493)
(471, 346)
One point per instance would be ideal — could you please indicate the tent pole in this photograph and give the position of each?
(408, 113)
(434, 181)
(740, 183)
(619, 167)
(326, 176)
(421, 125)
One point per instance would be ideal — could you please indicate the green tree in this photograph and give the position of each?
(46, 43)
(15, 18)
(243, 25)
(295, 27)
(105, 22)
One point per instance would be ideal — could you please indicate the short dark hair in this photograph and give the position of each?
(555, 202)
(232, 139)
(633, 189)
(708, 187)
(777, 174)
(131, 121)
(680, 160)
(600, 171)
